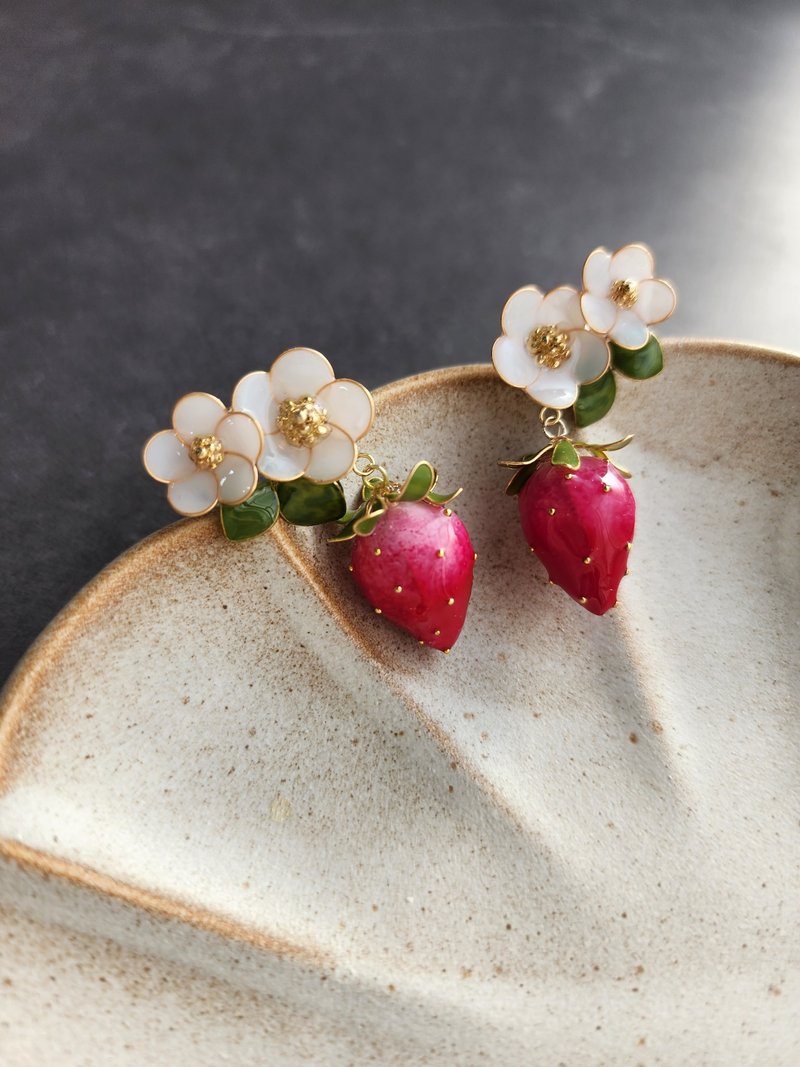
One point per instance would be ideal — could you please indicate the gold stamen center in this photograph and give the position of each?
(549, 346)
(624, 293)
(206, 452)
(302, 422)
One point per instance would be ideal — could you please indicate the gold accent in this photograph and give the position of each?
(440, 553)
(422, 642)
(378, 611)
(350, 567)
(549, 346)
(606, 487)
(437, 633)
(568, 477)
(629, 545)
(551, 511)
(398, 589)
(587, 560)
(302, 422)
(624, 293)
(474, 557)
(448, 512)
(376, 552)
(627, 571)
(206, 452)
(451, 601)
(446, 651)
(582, 599)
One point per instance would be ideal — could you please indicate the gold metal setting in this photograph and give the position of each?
(398, 589)
(440, 553)
(587, 560)
(206, 452)
(302, 422)
(624, 293)
(451, 601)
(549, 346)
(582, 599)
(551, 511)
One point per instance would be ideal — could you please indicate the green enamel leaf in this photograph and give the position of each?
(640, 363)
(419, 482)
(595, 399)
(565, 455)
(305, 503)
(442, 498)
(364, 526)
(515, 486)
(240, 522)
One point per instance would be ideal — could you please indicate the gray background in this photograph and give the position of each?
(186, 189)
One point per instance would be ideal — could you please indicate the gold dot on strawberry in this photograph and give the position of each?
(580, 525)
(416, 568)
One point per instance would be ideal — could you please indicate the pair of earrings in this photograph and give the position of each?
(291, 434)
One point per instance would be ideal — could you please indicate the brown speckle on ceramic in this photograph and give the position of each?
(301, 837)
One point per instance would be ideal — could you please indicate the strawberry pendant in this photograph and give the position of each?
(416, 569)
(580, 524)
(412, 557)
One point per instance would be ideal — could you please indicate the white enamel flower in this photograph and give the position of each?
(545, 347)
(622, 298)
(207, 458)
(311, 420)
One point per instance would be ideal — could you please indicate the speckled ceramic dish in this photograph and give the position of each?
(245, 821)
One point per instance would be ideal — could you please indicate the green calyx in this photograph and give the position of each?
(562, 452)
(596, 399)
(378, 494)
(301, 503)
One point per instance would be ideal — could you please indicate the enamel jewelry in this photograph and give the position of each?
(564, 349)
(281, 450)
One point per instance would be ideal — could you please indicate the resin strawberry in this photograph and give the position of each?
(416, 569)
(580, 522)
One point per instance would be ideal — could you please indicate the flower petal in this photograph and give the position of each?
(299, 372)
(560, 307)
(590, 356)
(240, 433)
(349, 406)
(519, 314)
(332, 457)
(281, 461)
(196, 415)
(656, 300)
(513, 362)
(555, 388)
(633, 262)
(166, 458)
(237, 477)
(194, 495)
(629, 330)
(253, 395)
(596, 276)
(600, 312)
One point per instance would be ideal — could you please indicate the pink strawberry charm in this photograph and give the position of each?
(412, 557)
(416, 569)
(580, 525)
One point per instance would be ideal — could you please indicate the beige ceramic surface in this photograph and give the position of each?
(244, 821)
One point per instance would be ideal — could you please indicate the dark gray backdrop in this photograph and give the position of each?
(188, 188)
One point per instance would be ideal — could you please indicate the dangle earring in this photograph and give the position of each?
(281, 450)
(563, 349)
